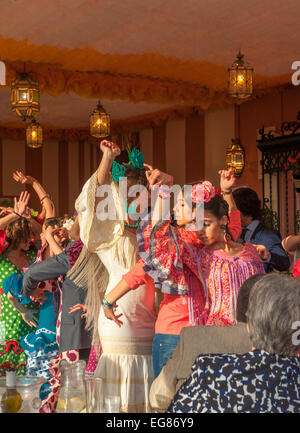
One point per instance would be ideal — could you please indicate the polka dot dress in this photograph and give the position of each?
(12, 322)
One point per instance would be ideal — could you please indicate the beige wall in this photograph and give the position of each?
(50, 169)
(146, 140)
(219, 130)
(13, 159)
(175, 150)
(73, 174)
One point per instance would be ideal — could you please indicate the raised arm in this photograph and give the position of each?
(19, 210)
(109, 152)
(158, 179)
(49, 236)
(291, 243)
(227, 182)
(45, 199)
(45, 270)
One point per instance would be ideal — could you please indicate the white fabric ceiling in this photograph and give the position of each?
(267, 31)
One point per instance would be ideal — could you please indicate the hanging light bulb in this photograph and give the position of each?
(34, 135)
(25, 96)
(99, 122)
(240, 79)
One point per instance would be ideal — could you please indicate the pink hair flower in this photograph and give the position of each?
(203, 192)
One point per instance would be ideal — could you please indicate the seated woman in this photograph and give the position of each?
(264, 380)
(199, 272)
(196, 340)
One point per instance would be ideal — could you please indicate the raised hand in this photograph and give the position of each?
(227, 180)
(109, 148)
(38, 295)
(50, 232)
(20, 177)
(20, 206)
(5, 210)
(157, 177)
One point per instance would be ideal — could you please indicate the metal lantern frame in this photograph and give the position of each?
(235, 157)
(240, 79)
(34, 135)
(99, 122)
(25, 96)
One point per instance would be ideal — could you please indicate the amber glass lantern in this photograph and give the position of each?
(25, 96)
(240, 79)
(99, 122)
(235, 157)
(34, 135)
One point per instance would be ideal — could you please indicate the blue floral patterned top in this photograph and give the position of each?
(254, 382)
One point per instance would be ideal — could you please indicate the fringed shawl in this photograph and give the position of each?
(179, 265)
(88, 271)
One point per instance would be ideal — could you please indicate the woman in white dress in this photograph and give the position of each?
(110, 251)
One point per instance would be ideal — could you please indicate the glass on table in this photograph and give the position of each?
(112, 404)
(94, 395)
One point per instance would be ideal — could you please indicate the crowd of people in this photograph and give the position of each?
(188, 311)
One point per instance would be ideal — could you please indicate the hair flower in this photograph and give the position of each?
(137, 158)
(204, 191)
(3, 242)
(117, 171)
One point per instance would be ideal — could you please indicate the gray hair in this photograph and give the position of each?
(274, 305)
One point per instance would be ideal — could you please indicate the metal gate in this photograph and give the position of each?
(280, 209)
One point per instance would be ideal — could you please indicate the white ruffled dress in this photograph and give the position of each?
(125, 364)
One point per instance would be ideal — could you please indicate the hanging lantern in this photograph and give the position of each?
(235, 157)
(99, 122)
(240, 79)
(34, 135)
(25, 96)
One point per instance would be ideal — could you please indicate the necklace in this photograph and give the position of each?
(132, 226)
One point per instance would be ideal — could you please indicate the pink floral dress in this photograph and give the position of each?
(180, 265)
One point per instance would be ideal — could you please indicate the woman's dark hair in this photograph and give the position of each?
(54, 221)
(131, 172)
(274, 314)
(217, 206)
(17, 232)
(247, 202)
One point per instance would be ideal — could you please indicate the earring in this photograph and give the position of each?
(226, 235)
